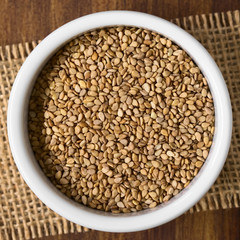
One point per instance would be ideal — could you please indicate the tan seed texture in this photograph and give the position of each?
(121, 119)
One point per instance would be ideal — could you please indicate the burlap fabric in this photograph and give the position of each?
(24, 216)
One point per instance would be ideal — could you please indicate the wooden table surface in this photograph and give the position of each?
(27, 20)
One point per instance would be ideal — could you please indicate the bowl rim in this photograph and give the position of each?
(53, 198)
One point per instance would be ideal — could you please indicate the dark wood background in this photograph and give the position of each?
(26, 20)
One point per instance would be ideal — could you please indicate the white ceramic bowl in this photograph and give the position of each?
(53, 198)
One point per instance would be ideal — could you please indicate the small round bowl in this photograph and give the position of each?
(85, 216)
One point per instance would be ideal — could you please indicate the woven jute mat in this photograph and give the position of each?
(24, 216)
